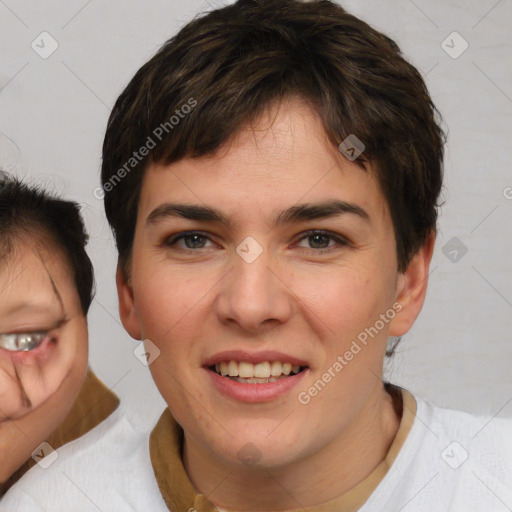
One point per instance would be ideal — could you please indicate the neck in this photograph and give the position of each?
(323, 476)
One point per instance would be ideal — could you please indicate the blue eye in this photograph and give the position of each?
(319, 241)
(192, 239)
(22, 342)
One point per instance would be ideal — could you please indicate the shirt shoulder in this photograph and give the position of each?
(451, 461)
(487, 439)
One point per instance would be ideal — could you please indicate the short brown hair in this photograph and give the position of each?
(235, 62)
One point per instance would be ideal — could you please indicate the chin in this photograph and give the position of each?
(254, 450)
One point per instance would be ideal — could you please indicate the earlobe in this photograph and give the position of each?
(127, 309)
(412, 288)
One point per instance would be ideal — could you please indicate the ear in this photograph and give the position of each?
(127, 309)
(412, 288)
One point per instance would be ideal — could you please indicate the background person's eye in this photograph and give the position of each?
(22, 342)
(322, 241)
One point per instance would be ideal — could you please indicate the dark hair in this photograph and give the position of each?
(33, 213)
(237, 61)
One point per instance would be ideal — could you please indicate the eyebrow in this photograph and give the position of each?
(297, 213)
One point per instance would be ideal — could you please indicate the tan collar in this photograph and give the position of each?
(166, 442)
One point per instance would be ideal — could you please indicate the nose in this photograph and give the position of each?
(254, 296)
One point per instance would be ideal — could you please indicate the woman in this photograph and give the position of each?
(46, 288)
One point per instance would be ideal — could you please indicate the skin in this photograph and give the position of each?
(195, 302)
(38, 389)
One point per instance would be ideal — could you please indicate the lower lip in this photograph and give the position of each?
(253, 393)
(39, 353)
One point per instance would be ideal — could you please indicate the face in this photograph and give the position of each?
(269, 258)
(38, 295)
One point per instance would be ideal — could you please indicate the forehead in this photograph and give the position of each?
(35, 282)
(284, 157)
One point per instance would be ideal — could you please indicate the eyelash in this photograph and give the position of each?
(341, 241)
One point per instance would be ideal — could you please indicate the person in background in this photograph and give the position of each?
(47, 393)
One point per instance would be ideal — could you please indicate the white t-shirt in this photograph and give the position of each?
(451, 461)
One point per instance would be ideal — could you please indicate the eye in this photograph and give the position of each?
(191, 239)
(320, 241)
(22, 342)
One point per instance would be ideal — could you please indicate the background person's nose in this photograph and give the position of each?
(254, 296)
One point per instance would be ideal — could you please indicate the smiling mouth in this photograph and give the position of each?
(260, 373)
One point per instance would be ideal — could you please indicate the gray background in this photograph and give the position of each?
(54, 112)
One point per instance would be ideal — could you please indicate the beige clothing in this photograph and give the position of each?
(166, 444)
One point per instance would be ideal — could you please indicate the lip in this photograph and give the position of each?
(253, 357)
(43, 351)
(254, 393)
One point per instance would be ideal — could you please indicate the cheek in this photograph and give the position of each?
(167, 303)
(345, 300)
(171, 310)
(74, 357)
(72, 351)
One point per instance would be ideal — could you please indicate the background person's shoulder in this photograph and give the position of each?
(87, 474)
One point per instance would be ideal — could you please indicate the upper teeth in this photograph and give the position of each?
(259, 370)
